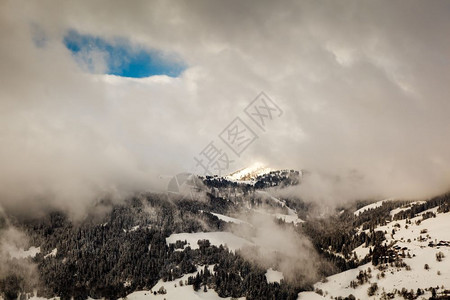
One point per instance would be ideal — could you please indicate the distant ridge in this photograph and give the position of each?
(249, 173)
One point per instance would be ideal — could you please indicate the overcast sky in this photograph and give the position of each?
(363, 87)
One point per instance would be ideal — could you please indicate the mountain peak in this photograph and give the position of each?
(249, 173)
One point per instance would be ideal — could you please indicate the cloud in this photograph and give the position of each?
(363, 87)
(14, 259)
(282, 248)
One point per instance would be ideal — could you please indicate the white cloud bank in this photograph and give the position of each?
(363, 85)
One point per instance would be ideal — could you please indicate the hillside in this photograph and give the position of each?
(236, 241)
(414, 263)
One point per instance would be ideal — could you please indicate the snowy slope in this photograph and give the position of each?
(371, 206)
(289, 218)
(405, 207)
(175, 292)
(414, 239)
(52, 253)
(250, 173)
(232, 241)
(229, 219)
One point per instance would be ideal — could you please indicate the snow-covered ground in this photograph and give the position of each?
(371, 206)
(248, 174)
(229, 219)
(31, 296)
(52, 253)
(274, 276)
(174, 291)
(232, 241)
(289, 218)
(405, 207)
(414, 238)
(309, 296)
(41, 298)
(361, 251)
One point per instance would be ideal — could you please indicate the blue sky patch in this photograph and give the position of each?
(119, 57)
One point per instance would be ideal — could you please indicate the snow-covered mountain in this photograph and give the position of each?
(238, 239)
(416, 266)
(250, 173)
